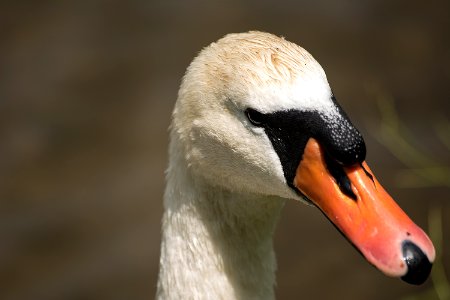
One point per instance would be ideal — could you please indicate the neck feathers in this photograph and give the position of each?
(216, 244)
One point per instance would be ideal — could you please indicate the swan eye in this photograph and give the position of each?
(255, 117)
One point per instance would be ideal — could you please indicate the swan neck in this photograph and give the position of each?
(216, 244)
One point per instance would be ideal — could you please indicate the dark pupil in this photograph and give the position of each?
(255, 117)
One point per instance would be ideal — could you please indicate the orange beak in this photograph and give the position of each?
(371, 220)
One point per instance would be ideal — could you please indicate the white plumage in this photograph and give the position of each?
(225, 184)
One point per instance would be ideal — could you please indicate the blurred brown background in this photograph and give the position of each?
(86, 92)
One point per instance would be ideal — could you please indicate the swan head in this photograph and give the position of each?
(255, 114)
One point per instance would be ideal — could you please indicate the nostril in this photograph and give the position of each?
(419, 267)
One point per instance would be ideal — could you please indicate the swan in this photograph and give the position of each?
(256, 123)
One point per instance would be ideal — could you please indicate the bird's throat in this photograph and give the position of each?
(216, 242)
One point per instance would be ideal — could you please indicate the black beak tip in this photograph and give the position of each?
(419, 267)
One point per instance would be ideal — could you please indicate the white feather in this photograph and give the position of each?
(225, 183)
